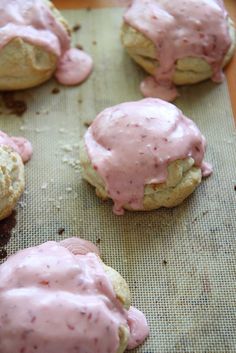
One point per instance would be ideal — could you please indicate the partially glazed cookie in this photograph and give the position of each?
(181, 43)
(35, 45)
(143, 155)
(12, 180)
(61, 298)
(14, 151)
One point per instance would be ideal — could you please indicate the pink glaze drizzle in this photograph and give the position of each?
(131, 145)
(138, 327)
(53, 301)
(18, 144)
(67, 70)
(187, 28)
(79, 246)
(33, 21)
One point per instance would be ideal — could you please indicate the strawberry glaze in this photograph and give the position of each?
(53, 301)
(131, 145)
(180, 29)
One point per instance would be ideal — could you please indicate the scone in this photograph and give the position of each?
(35, 44)
(11, 180)
(184, 42)
(61, 298)
(14, 151)
(143, 155)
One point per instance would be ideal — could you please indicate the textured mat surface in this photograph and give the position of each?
(179, 263)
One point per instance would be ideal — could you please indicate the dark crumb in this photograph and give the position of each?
(55, 90)
(38, 113)
(76, 27)
(17, 107)
(205, 212)
(6, 226)
(164, 262)
(98, 241)
(235, 187)
(87, 123)
(78, 46)
(88, 9)
(61, 231)
(80, 101)
(3, 254)
(194, 220)
(94, 42)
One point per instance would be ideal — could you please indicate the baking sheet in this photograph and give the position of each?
(179, 263)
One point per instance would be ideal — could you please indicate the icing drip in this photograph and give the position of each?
(190, 28)
(33, 21)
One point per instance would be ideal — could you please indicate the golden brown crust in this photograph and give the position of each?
(188, 70)
(11, 180)
(24, 65)
(183, 178)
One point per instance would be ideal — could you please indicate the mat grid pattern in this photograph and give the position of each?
(180, 263)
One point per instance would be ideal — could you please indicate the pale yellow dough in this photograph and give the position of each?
(188, 70)
(11, 180)
(183, 178)
(123, 295)
(23, 65)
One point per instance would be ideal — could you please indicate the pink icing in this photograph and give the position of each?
(131, 145)
(67, 70)
(151, 88)
(206, 169)
(189, 28)
(53, 301)
(18, 144)
(33, 21)
(138, 327)
(79, 246)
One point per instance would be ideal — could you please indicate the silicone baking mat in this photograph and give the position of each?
(180, 263)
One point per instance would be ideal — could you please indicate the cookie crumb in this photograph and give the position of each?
(164, 262)
(88, 9)
(44, 186)
(76, 27)
(79, 46)
(17, 107)
(87, 123)
(98, 241)
(80, 101)
(55, 90)
(94, 42)
(61, 231)
(234, 187)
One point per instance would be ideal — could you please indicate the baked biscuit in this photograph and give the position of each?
(144, 155)
(36, 44)
(178, 44)
(187, 71)
(74, 302)
(11, 180)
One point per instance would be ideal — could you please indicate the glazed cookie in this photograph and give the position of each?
(35, 44)
(75, 303)
(11, 180)
(143, 155)
(14, 151)
(181, 44)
